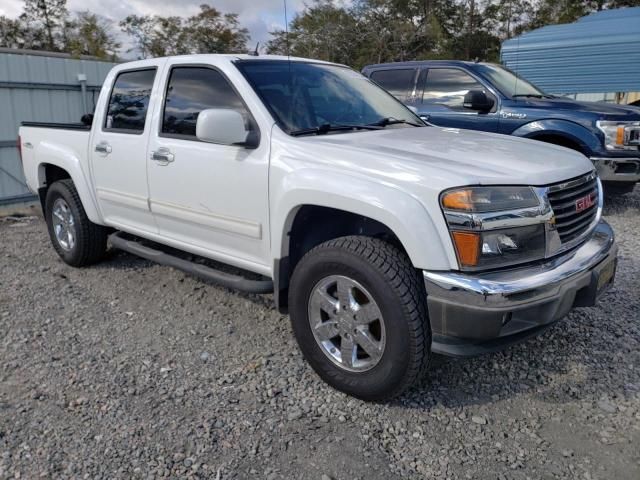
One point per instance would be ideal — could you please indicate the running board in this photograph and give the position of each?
(236, 282)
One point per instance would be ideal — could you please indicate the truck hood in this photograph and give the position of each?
(601, 110)
(446, 157)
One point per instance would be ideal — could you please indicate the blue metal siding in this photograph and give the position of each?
(597, 54)
(39, 88)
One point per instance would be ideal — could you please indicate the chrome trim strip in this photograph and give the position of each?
(494, 220)
(571, 183)
(522, 285)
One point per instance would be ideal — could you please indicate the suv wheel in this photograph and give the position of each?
(358, 311)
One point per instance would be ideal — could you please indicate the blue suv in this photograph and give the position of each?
(491, 98)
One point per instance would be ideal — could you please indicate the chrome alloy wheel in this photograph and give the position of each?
(346, 323)
(64, 226)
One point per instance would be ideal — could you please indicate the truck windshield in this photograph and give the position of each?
(312, 98)
(508, 82)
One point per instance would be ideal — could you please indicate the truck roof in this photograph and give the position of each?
(420, 63)
(231, 57)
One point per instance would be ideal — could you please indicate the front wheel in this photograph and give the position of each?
(358, 311)
(77, 240)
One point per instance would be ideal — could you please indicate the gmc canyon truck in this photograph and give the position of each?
(384, 239)
(491, 98)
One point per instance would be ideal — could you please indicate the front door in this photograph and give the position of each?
(207, 198)
(118, 151)
(442, 92)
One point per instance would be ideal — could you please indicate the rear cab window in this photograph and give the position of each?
(129, 101)
(398, 82)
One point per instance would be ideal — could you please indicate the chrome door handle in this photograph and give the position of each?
(103, 147)
(163, 156)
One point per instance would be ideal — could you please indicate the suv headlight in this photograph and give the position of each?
(620, 135)
(495, 227)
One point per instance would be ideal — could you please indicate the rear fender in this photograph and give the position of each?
(68, 160)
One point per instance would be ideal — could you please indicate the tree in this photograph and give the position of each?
(169, 37)
(10, 33)
(324, 31)
(89, 34)
(210, 31)
(141, 28)
(370, 31)
(48, 15)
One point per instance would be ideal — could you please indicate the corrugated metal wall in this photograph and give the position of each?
(597, 54)
(35, 86)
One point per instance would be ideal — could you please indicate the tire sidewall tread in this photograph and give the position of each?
(394, 283)
(91, 239)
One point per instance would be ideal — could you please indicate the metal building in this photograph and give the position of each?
(40, 86)
(596, 56)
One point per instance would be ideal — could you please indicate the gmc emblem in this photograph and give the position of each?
(585, 202)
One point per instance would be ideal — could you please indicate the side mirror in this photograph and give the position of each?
(478, 100)
(223, 126)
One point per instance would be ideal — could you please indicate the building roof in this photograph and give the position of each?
(596, 54)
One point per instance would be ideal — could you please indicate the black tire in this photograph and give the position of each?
(90, 239)
(396, 287)
(618, 188)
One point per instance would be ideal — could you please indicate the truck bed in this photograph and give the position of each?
(61, 143)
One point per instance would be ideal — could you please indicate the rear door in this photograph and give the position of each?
(440, 97)
(207, 198)
(118, 150)
(399, 82)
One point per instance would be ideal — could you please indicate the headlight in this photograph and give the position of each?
(495, 227)
(489, 199)
(620, 135)
(499, 248)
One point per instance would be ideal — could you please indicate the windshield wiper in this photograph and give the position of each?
(383, 122)
(327, 127)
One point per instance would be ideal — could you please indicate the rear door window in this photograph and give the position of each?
(398, 82)
(129, 101)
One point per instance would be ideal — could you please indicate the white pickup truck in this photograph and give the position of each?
(384, 239)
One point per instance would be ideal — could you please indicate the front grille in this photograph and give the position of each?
(575, 205)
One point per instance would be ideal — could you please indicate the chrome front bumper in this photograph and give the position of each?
(617, 169)
(474, 313)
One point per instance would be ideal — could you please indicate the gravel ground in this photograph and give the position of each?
(133, 370)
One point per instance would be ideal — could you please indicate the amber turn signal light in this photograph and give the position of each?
(458, 200)
(467, 247)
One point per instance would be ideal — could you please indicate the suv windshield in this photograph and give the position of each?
(313, 98)
(508, 82)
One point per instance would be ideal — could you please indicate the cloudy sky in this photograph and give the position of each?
(259, 16)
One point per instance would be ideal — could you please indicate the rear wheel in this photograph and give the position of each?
(77, 240)
(358, 311)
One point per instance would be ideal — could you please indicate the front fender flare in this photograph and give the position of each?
(403, 214)
(582, 136)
